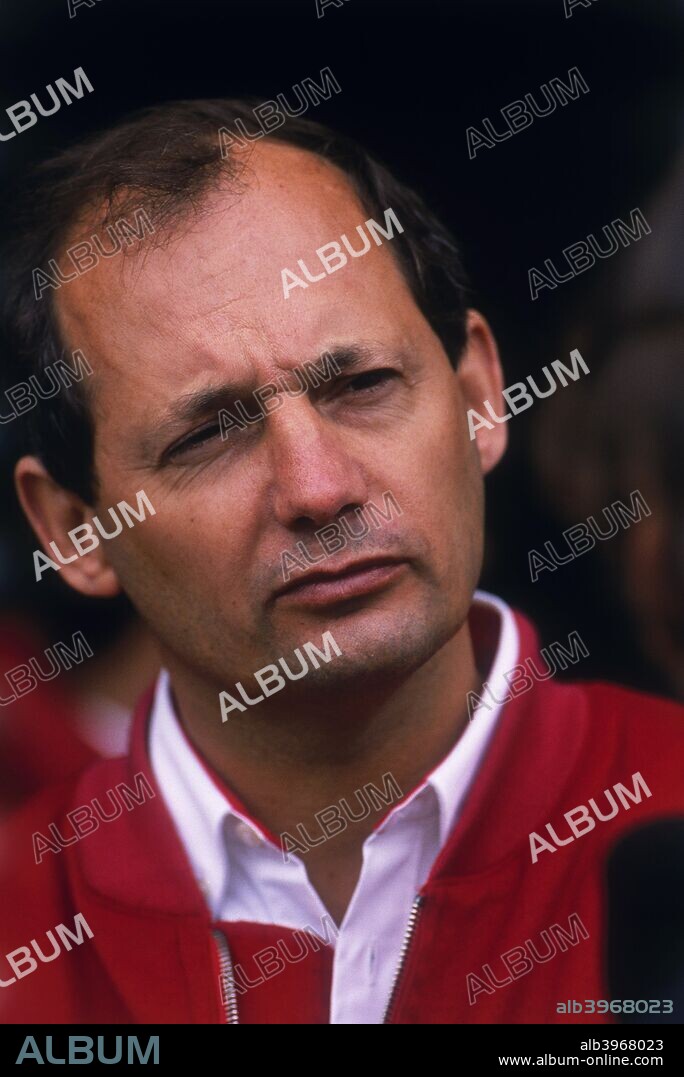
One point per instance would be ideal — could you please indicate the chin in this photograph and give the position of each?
(379, 645)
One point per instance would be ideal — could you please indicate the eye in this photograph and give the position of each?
(370, 381)
(198, 437)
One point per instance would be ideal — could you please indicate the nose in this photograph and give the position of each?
(316, 476)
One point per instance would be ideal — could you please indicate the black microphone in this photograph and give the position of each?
(645, 877)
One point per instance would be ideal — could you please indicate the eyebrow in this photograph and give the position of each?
(208, 401)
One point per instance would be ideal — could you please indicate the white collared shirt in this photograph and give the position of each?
(244, 876)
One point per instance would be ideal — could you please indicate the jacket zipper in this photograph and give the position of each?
(228, 994)
(405, 946)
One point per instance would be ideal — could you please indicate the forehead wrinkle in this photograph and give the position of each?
(194, 400)
(347, 356)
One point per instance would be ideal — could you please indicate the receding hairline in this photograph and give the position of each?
(187, 215)
(233, 175)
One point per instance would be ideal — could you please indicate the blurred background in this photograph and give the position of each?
(414, 75)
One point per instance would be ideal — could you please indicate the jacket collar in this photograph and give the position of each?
(540, 730)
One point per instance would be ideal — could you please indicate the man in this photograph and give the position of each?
(242, 842)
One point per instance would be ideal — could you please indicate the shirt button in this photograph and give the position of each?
(247, 835)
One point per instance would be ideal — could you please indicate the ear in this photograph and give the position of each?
(481, 378)
(53, 512)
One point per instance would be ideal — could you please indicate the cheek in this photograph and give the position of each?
(437, 448)
(178, 549)
(446, 487)
(208, 519)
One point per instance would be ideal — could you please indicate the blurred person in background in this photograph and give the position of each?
(625, 431)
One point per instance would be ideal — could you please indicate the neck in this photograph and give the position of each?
(288, 760)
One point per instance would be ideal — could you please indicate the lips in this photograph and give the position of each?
(335, 585)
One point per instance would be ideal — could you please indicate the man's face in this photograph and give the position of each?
(207, 311)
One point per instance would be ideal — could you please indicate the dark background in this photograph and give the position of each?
(413, 75)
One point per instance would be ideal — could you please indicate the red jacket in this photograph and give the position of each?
(154, 955)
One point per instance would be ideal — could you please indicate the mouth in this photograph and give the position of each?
(361, 577)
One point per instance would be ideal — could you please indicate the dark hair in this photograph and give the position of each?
(166, 159)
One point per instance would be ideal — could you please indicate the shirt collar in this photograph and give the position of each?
(451, 779)
(201, 808)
